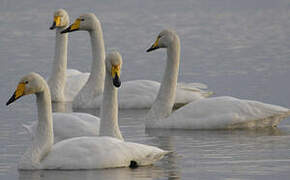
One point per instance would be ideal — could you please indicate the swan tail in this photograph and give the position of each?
(270, 121)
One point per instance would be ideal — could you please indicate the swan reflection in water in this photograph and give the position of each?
(146, 173)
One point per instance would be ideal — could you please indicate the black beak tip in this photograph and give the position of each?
(117, 84)
(11, 100)
(151, 49)
(52, 26)
(116, 81)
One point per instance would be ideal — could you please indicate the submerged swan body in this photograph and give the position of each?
(79, 152)
(209, 113)
(64, 83)
(132, 94)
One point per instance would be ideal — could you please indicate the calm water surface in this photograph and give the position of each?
(238, 48)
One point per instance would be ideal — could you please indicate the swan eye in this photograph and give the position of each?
(82, 19)
(26, 82)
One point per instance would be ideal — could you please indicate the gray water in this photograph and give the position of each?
(238, 48)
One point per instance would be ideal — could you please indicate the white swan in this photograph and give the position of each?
(64, 83)
(75, 153)
(209, 113)
(132, 94)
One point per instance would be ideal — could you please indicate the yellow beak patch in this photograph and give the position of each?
(156, 43)
(115, 70)
(75, 25)
(57, 20)
(19, 90)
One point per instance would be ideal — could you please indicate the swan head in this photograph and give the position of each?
(60, 19)
(29, 84)
(164, 40)
(113, 66)
(85, 22)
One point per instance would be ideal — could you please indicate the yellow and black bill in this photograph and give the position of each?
(56, 22)
(19, 92)
(74, 27)
(154, 46)
(116, 76)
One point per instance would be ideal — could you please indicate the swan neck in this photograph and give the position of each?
(58, 75)
(43, 139)
(97, 75)
(109, 110)
(164, 102)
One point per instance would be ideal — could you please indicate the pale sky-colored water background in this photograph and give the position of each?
(238, 48)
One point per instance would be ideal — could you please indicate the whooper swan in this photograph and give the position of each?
(64, 83)
(209, 113)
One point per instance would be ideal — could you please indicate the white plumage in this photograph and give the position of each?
(64, 83)
(96, 153)
(209, 113)
(78, 152)
(69, 125)
(132, 94)
(223, 113)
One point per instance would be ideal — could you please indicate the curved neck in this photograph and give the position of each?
(109, 110)
(96, 79)
(164, 102)
(58, 75)
(43, 139)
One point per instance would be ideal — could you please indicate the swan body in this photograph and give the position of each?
(209, 113)
(95, 153)
(132, 94)
(223, 113)
(64, 83)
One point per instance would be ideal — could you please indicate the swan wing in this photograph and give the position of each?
(69, 125)
(224, 113)
(138, 94)
(99, 153)
(75, 80)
